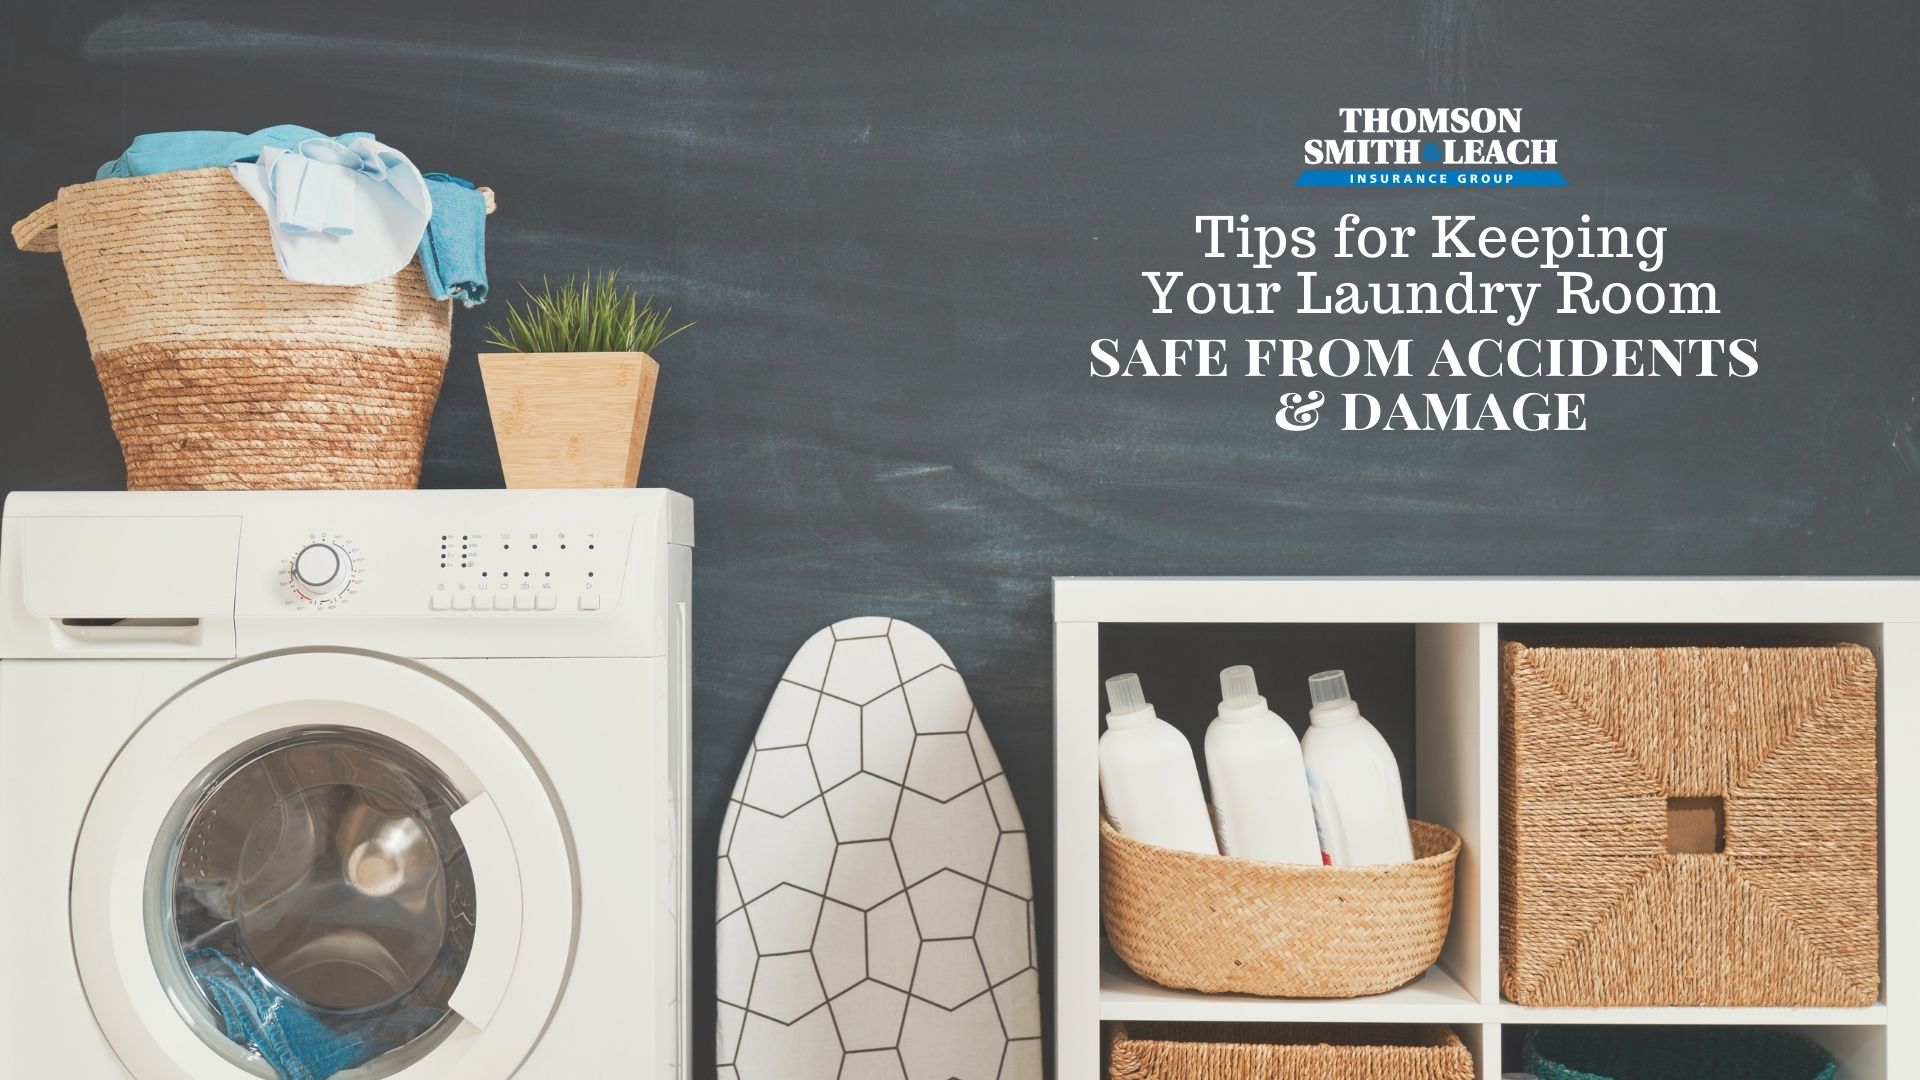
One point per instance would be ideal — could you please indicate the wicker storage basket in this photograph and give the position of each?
(218, 371)
(1603, 751)
(1674, 1053)
(1224, 925)
(1286, 1052)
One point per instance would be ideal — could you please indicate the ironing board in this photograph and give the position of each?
(875, 915)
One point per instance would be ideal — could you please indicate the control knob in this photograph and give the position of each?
(321, 569)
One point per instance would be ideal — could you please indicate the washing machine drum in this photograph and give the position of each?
(320, 865)
(322, 873)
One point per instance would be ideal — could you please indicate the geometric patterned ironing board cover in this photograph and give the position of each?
(875, 916)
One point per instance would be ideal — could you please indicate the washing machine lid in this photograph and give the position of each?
(371, 793)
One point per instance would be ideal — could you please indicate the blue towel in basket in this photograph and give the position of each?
(172, 151)
(454, 250)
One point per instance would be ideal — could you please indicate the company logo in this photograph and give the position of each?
(1451, 147)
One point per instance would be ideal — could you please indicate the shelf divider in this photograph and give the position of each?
(1434, 998)
(1451, 784)
(1076, 837)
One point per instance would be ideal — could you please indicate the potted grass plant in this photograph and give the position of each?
(571, 390)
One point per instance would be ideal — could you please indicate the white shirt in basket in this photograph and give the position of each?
(339, 214)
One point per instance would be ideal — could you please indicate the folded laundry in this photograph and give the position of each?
(272, 1023)
(339, 214)
(452, 246)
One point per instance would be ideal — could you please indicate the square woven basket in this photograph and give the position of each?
(1689, 825)
(1287, 1052)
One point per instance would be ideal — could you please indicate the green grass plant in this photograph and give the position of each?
(590, 314)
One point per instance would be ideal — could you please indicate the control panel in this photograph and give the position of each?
(522, 570)
(569, 563)
(419, 573)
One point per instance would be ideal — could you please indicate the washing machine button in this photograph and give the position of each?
(590, 601)
(523, 601)
(440, 601)
(543, 600)
(502, 601)
(462, 601)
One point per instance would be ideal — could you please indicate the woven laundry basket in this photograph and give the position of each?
(1610, 897)
(221, 373)
(1286, 1052)
(1226, 925)
(1674, 1053)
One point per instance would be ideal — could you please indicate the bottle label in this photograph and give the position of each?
(1319, 819)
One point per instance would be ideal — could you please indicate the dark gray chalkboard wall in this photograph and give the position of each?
(899, 224)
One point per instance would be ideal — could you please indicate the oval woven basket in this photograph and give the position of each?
(221, 373)
(1292, 1051)
(1669, 1053)
(1225, 925)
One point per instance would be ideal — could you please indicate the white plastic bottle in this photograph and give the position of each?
(1261, 809)
(1148, 778)
(1355, 781)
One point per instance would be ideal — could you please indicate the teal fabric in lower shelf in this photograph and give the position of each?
(1674, 1053)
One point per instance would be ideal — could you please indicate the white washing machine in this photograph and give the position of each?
(343, 784)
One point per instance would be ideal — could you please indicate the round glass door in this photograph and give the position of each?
(314, 904)
(322, 864)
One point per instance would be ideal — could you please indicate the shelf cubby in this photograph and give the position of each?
(1424, 656)
(1859, 1049)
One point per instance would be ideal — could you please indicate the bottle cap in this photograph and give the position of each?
(1124, 695)
(1238, 690)
(1328, 687)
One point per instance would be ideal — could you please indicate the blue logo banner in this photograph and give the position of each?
(1446, 177)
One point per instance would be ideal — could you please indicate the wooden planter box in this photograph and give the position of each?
(570, 420)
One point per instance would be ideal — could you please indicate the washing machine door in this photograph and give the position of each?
(318, 865)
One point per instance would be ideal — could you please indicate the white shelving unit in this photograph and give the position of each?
(1457, 627)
